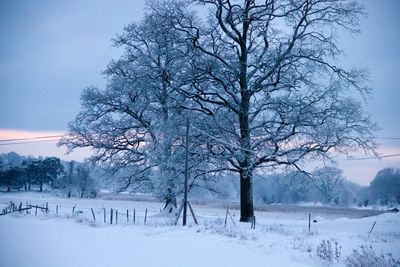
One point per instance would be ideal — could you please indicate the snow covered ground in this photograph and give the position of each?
(280, 239)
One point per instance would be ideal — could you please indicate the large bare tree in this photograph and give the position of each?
(267, 74)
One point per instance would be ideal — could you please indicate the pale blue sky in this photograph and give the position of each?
(51, 50)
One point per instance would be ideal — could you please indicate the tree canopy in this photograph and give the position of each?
(259, 79)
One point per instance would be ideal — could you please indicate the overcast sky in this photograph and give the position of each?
(51, 50)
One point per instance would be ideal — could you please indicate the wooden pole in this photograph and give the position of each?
(145, 216)
(47, 207)
(309, 222)
(186, 173)
(27, 208)
(231, 218)
(134, 215)
(116, 217)
(56, 209)
(127, 215)
(226, 216)
(372, 228)
(36, 210)
(104, 215)
(94, 217)
(179, 214)
(191, 211)
(111, 216)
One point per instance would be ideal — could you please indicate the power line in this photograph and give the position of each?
(29, 142)
(238, 147)
(31, 138)
(388, 138)
(37, 140)
(223, 142)
(377, 157)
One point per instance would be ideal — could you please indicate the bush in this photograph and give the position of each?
(367, 257)
(326, 252)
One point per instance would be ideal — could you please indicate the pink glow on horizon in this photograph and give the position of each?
(358, 171)
(16, 134)
(40, 148)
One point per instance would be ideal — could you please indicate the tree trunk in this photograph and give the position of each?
(246, 173)
(246, 197)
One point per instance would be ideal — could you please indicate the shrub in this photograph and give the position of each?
(367, 257)
(328, 253)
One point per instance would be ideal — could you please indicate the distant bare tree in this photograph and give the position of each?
(328, 181)
(77, 180)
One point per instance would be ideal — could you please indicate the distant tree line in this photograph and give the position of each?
(325, 185)
(384, 189)
(328, 186)
(22, 173)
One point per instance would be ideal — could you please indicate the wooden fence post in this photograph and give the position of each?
(309, 222)
(111, 216)
(56, 210)
(127, 215)
(27, 212)
(94, 217)
(116, 217)
(104, 214)
(47, 207)
(36, 210)
(226, 216)
(134, 215)
(372, 228)
(145, 216)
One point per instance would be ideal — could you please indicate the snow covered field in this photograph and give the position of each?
(280, 238)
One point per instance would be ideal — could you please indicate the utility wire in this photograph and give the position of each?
(238, 147)
(28, 142)
(31, 138)
(377, 157)
(223, 142)
(37, 140)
